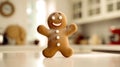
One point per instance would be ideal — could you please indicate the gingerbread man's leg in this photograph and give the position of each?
(66, 52)
(49, 52)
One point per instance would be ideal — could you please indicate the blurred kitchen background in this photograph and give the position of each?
(96, 19)
(98, 32)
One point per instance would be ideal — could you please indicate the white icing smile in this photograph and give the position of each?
(56, 24)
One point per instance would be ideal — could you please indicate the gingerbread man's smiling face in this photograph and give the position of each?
(57, 20)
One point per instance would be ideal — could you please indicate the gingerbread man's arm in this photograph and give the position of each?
(43, 30)
(71, 29)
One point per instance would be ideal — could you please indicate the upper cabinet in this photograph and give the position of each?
(87, 11)
(77, 9)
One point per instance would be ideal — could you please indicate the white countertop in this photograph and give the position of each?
(30, 56)
(76, 60)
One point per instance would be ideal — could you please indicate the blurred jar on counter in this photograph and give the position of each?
(95, 40)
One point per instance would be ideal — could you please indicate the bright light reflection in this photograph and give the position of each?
(41, 19)
(1, 38)
(29, 11)
(51, 6)
(40, 61)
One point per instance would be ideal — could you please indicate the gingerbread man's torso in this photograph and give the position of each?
(56, 38)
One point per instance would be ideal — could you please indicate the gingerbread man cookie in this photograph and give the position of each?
(57, 35)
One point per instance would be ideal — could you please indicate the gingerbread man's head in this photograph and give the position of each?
(57, 20)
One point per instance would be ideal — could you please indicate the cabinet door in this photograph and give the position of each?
(112, 6)
(77, 9)
(84, 10)
(112, 9)
(93, 7)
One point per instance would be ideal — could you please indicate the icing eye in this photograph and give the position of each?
(60, 17)
(53, 17)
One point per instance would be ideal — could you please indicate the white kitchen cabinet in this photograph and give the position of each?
(78, 9)
(87, 11)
